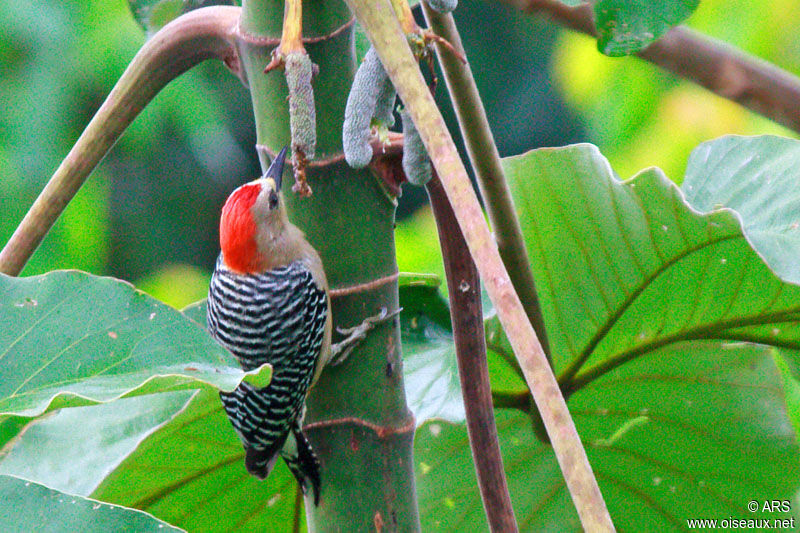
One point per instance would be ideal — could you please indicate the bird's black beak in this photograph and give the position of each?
(275, 170)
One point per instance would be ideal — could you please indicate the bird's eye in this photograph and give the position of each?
(273, 200)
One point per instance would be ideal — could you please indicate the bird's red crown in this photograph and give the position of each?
(237, 229)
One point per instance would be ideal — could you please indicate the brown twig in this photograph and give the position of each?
(391, 146)
(485, 161)
(384, 152)
(443, 42)
(463, 284)
(719, 67)
(188, 40)
(393, 49)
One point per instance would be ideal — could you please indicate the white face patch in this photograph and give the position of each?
(268, 213)
(268, 184)
(267, 203)
(269, 195)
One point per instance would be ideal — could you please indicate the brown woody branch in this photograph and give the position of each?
(485, 160)
(393, 49)
(719, 67)
(463, 284)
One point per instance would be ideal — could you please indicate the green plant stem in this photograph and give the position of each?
(463, 285)
(389, 41)
(199, 35)
(512, 400)
(298, 505)
(357, 419)
(717, 66)
(485, 160)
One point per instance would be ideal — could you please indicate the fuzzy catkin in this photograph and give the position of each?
(302, 113)
(384, 107)
(368, 84)
(416, 163)
(443, 6)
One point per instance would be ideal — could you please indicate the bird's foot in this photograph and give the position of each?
(341, 350)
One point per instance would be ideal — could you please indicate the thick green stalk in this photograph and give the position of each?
(485, 160)
(357, 418)
(384, 31)
(180, 45)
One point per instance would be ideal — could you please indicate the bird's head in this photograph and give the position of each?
(253, 222)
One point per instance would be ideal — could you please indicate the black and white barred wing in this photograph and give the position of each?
(277, 317)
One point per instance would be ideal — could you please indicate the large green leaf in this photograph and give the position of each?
(433, 387)
(757, 177)
(665, 327)
(627, 26)
(791, 392)
(700, 439)
(26, 506)
(51, 451)
(429, 363)
(625, 268)
(10, 426)
(191, 471)
(69, 339)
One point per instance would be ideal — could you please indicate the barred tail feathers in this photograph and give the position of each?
(262, 438)
(291, 445)
(259, 463)
(302, 462)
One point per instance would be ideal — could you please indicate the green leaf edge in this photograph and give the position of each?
(162, 525)
(260, 376)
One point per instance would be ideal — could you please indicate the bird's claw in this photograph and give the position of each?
(341, 350)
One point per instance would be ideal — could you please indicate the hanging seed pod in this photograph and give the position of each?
(368, 85)
(443, 6)
(302, 113)
(299, 70)
(416, 163)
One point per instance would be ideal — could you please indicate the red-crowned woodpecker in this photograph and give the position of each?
(268, 303)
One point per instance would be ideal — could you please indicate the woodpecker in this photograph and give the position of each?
(268, 303)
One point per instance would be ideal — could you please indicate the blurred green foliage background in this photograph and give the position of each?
(149, 213)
